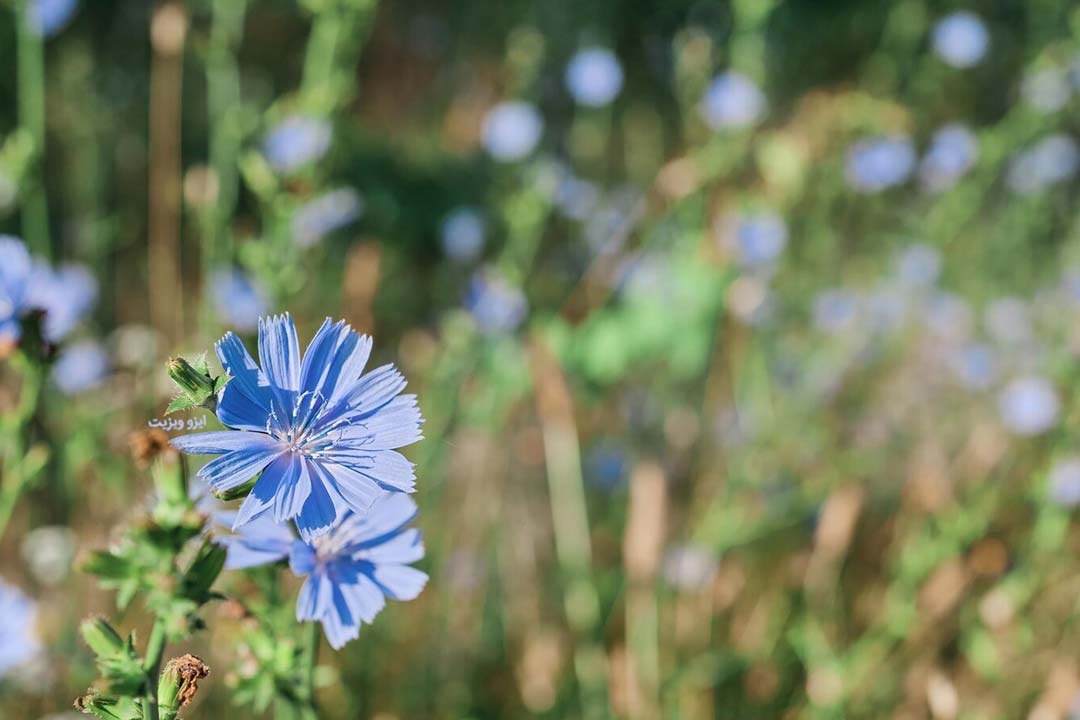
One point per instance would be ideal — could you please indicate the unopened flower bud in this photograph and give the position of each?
(197, 387)
(204, 570)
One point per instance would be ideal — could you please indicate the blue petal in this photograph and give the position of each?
(394, 425)
(222, 441)
(320, 511)
(301, 558)
(279, 353)
(237, 467)
(387, 467)
(374, 390)
(261, 496)
(294, 489)
(340, 624)
(245, 402)
(315, 599)
(259, 543)
(334, 360)
(400, 549)
(400, 582)
(390, 513)
(357, 490)
(363, 598)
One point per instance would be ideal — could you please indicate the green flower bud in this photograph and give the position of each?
(204, 570)
(197, 387)
(100, 706)
(178, 684)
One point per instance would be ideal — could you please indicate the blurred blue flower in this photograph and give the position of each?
(1046, 90)
(1065, 482)
(512, 130)
(324, 214)
(296, 141)
(961, 39)
(1052, 160)
(259, 542)
(48, 17)
(350, 571)
(1028, 405)
(495, 304)
(760, 238)
(918, 266)
(18, 643)
(835, 310)
(462, 234)
(321, 434)
(879, 163)
(64, 295)
(974, 365)
(953, 150)
(237, 299)
(594, 76)
(732, 100)
(948, 316)
(576, 198)
(80, 366)
(1008, 321)
(606, 466)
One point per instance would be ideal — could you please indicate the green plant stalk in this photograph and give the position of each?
(155, 649)
(30, 54)
(311, 658)
(223, 90)
(18, 468)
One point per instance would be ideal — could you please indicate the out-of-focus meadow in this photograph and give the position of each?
(745, 333)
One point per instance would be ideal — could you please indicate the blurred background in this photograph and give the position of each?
(745, 332)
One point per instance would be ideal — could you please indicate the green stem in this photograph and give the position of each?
(20, 466)
(31, 100)
(223, 92)
(155, 649)
(311, 658)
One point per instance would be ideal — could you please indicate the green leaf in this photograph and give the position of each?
(181, 402)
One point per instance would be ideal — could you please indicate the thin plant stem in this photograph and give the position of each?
(20, 465)
(311, 659)
(155, 649)
(31, 104)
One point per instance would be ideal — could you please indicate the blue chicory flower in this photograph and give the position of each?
(18, 641)
(320, 436)
(462, 234)
(80, 366)
(512, 130)
(953, 150)
(594, 76)
(732, 100)
(350, 571)
(324, 214)
(296, 141)
(64, 295)
(1049, 161)
(1065, 482)
(495, 304)
(238, 299)
(1029, 405)
(961, 39)
(48, 17)
(879, 163)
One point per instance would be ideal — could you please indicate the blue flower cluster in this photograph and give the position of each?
(321, 436)
(64, 294)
